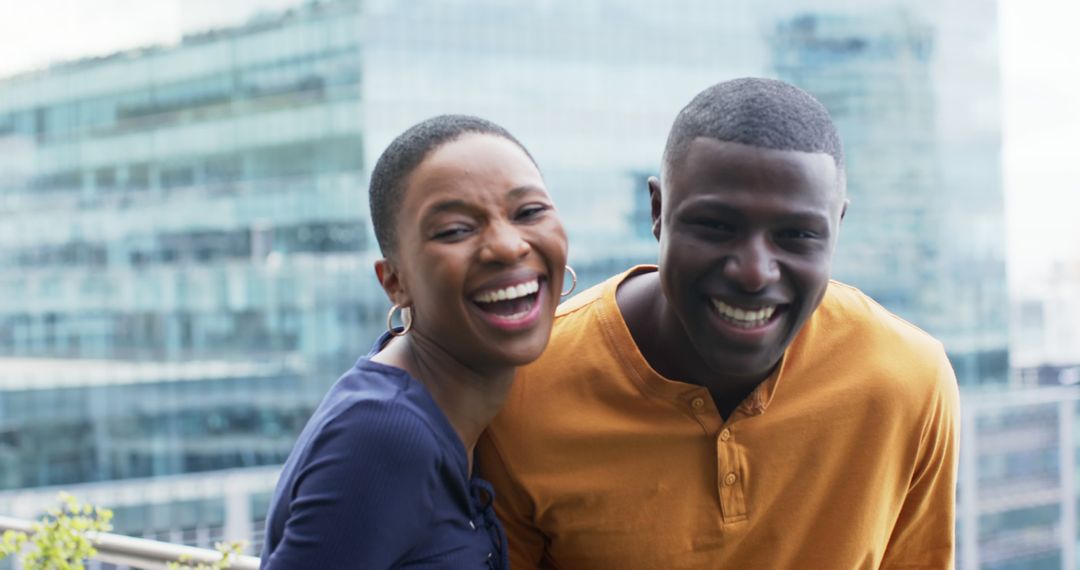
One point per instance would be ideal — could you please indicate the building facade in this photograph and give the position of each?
(181, 231)
(904, 240)
(923, 236)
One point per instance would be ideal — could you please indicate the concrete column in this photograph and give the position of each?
(1066, 413)
(237, 510)
(969, 491)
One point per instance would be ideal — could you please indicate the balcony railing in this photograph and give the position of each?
(142, 553)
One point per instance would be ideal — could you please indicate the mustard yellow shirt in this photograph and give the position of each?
(844, 458)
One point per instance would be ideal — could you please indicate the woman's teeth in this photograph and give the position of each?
(508, 293)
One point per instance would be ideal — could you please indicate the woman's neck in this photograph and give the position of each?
(468, 397)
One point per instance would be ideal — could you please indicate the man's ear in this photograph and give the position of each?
(392, 282)
(843, 193)
(654, 204)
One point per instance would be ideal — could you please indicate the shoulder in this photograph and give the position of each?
(581, 319)
(372, 413)
(584, 335)
(389, 424)
(570, 309)
(599, 295)
(579, 346)
(851, 316)
(849, 328)
(365, 445)
(364, 476)
(584, 364)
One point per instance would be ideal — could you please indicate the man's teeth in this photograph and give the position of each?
(508, 293)
(742, 317)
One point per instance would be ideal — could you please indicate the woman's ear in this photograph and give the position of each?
(391, 280)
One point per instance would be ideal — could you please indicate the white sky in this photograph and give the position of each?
(1040, 64)
(34, 33)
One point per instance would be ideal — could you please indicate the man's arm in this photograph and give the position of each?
(515, 510)
(924, 535)
(362, 498)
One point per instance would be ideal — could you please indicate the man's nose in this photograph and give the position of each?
(752, 265)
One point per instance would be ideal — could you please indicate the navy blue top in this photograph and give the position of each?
(379, 479)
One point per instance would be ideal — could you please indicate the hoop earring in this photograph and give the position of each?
(573, 282)
(406, 319)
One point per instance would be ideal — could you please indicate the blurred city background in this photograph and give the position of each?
(186, 256)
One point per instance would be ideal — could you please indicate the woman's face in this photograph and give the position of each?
(480, 253)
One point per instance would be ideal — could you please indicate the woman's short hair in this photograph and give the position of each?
(390, 176)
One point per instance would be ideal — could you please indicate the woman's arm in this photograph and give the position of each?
(363, 497)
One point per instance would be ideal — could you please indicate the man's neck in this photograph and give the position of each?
(666, 346)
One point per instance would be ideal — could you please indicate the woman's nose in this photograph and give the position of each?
(505, 244)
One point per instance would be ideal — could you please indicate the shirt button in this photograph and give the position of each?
(725, 435)
(489, 555)
(472, 525)
(730, 479)
(697, 403)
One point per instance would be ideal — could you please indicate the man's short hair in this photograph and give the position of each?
(390, 176)
(759, 112)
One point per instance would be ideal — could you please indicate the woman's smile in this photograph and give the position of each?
(513, 307)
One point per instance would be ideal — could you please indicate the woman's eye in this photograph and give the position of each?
(451, 232)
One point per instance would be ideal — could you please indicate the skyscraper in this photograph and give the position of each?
(182, 231)
(924, 237)
(923, 233)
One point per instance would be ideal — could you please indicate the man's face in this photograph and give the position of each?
(746, 242)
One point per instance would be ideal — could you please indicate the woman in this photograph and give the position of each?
(474, 255)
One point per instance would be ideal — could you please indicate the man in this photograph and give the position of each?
(733, 407)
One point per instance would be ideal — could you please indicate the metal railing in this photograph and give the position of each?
(140, 552)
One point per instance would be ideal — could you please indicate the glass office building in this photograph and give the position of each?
(184, 267)
(186, 256)
(181, 232)
(924, 234)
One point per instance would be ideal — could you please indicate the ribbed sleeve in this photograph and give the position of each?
(362, 496)
(379, 479)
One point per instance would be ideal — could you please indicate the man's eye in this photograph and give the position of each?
(797, 234)
(716, 225)
(531, 211)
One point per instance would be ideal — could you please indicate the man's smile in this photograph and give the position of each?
(748, 318)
